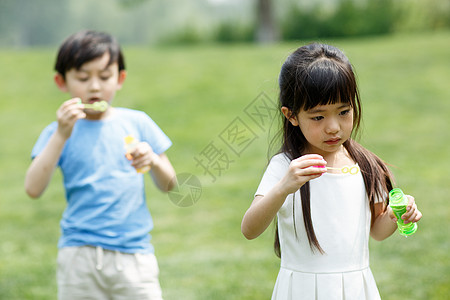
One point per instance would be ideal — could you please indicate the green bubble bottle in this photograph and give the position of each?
(398, 202)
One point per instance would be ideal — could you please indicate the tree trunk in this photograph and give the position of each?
(267, 31)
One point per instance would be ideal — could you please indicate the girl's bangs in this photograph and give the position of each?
(328, 82)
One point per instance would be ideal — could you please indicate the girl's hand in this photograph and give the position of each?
(142, 156)
(302, 170)
(412, 213)
(67, 114)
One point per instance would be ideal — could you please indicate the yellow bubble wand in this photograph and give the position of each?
(352, 170)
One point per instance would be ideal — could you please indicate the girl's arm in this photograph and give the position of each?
(262, 211)
(264, 208)
(385, 222)
(384, 225)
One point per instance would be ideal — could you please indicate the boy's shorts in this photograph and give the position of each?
(98, 274)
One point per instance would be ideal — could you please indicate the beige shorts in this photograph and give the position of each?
(98, 274)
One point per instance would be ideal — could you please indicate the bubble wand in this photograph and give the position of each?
(98, 106)
(101, 106)
(353, 170)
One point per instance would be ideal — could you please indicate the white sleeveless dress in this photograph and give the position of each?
(341, 219)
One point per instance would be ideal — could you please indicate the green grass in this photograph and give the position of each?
(194, 93)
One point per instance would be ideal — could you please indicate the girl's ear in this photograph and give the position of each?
(60, 82)
(288, 114)
(122, 76)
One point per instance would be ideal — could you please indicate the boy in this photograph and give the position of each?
(104, 250)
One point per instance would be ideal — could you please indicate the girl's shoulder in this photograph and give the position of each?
(281, 158)
(279, 161)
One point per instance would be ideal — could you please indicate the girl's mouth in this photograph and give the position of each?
(333, 141)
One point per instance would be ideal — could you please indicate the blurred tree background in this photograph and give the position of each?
(26, 23)
(194, 92)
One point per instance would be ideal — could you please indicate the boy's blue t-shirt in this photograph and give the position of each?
(105, 195)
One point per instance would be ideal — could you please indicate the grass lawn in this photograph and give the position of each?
(199, 95)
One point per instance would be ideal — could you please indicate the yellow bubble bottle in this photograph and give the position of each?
(130, 144)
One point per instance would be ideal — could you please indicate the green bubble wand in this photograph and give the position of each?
(101, 106)
(398, 202)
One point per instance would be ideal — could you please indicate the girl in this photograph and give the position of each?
(325, 213)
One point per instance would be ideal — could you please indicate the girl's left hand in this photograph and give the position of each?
(412, 213)
(142, 156)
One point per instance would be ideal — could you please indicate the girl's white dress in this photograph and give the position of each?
(341, 219)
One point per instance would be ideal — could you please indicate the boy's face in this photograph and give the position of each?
(94, 81)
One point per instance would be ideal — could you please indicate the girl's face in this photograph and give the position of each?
(94, 81)
(325, 127)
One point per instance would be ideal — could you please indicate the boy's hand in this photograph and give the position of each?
(142, 156)
(302, 170)
(68, 113)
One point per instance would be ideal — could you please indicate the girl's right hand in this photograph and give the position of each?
(302, 170)
(68, 113)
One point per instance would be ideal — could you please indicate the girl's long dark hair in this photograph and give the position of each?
(319, 74)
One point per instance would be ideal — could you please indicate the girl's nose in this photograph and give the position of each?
(332, 126)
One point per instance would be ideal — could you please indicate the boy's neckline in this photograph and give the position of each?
(105, 116)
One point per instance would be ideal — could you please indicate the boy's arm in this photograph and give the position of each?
(162, 172)
(161, 169)
(41, 169)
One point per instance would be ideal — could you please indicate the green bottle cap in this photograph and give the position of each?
(397, 198)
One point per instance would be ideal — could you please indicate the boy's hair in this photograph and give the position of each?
(85, 46)
(319, 74)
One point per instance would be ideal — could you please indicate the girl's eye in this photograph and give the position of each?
(344, 112)
(83, 78)
(318, 118)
